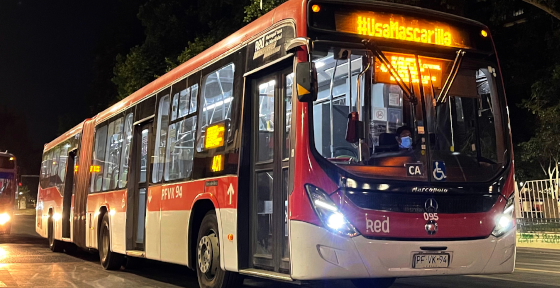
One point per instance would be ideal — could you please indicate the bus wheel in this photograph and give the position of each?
(109, 260)
(55, 245)
(208, 270)
(374, 282)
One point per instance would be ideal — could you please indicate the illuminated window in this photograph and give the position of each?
(217, 97)
(112, 154)
(180, 149)
(54, 167)
(161, 138)
(62, 163)
(128, 128)
(98, 158)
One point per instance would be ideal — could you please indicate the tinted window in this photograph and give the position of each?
(180, 149)
(46, 169)
(161, 137)
(54, 167)
(127, 139)
(217, 95)
(112, 155)
(98, 157)
(62, 161)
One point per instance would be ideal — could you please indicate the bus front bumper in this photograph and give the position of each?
(320, 254)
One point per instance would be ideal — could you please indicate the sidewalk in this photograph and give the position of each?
(539, 240)
(24, 212)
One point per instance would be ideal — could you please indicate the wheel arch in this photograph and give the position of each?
(198, 211)
(102, 211)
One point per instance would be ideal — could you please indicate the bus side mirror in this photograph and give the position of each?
(306, 82)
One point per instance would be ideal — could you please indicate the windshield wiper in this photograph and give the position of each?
(408, 91)
(442, 98)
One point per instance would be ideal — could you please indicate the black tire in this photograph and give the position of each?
(374, 282)
(109, 260)
(70, 248)
(54, 245)
(211, 275)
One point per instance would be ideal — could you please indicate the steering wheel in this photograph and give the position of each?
(353, 157)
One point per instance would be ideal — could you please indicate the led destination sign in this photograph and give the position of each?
(430, 69)
(399, 27)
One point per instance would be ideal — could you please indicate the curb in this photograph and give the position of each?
(538, 240)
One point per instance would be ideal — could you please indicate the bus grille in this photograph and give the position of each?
(416, 203)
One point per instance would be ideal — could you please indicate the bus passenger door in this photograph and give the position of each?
(271, 111)
(68, 192)
(136, 199)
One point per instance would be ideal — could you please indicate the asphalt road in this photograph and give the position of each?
(26, 261)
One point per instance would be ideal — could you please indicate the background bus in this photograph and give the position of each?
(8, 190)
(275, 154)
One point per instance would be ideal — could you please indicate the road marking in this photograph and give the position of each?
(537, 270)
(536, 264)
(511, 280)
(552, 261)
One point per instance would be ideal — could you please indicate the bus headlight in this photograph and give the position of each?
(328, 212)
(56, 217)
(504, 221)
(4, 218)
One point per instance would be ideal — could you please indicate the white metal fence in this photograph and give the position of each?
(537, 199)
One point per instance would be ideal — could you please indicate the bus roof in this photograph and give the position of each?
(408, 9)
(7, 154)
(68, 134)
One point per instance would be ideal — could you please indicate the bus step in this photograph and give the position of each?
(267, 275)
(136, 253)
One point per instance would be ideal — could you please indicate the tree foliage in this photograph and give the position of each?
(544, 146)
(193, 48)
(548, 6)
(175, 31)
(258, 8)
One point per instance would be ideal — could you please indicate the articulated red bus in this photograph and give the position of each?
(8, 190)
(325, 140)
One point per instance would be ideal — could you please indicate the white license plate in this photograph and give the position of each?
(424, 260)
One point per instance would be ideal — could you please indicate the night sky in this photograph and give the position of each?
(47, 54)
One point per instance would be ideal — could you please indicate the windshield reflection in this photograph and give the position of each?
(404, 136)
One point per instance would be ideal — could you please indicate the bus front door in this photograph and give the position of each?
(271, 113)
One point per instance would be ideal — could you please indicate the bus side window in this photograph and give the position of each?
(181, 136)
(54, 167)
(112, 155)
(62, 165)
(46, 169)
(160, 139)
(217, 96)
(127, 138)
(97, 159)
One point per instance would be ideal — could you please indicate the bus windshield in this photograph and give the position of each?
(431, 133)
